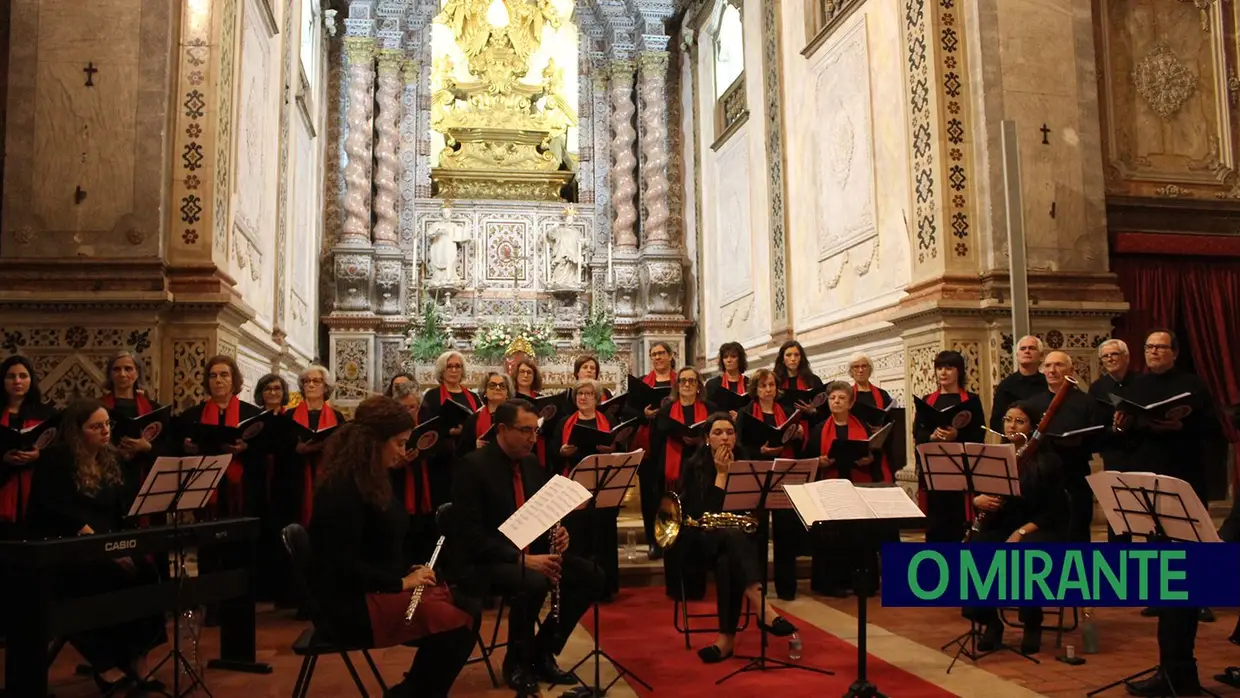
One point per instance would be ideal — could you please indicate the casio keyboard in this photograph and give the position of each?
(41, 618)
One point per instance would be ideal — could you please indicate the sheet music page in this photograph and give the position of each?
(890, 502)
(550, 504)
(804, 504)
(840, 500)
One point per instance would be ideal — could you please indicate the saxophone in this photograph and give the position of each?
(555, 588)
(416, 597)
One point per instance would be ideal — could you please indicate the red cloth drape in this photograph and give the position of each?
(1197, 296)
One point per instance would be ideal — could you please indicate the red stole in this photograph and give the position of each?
(934, 397)
(482, 423)
(600, 423)
(15, 494)
(233, 476)
(856, 432)
(878, 396)
(642, 438)
(673, 451)
(738, 387)
(417, 502)
(800, 384)
(445, 396)
(139, 398)
(781, 416)
(921, 489)
(310, 464)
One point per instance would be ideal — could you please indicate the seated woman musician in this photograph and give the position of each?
(1039, 514)
(728, 551)
(358, 570)
(79, 489)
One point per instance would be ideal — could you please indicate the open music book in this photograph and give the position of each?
(552, 502)
(840, 500)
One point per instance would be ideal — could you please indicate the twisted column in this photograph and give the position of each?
(652, 94)
(357, 145)
(388, 125)
(623, 161)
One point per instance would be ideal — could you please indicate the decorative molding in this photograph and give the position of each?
(1164, 81)
(224, 125)
(776, 160)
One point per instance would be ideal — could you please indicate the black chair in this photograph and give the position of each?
(1058, 612)
(673, 566)
(443, 522)
(316, 641)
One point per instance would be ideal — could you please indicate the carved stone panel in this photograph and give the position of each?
(352, 364)
(388, 272)
(663, 280)
(353, 273)
(189, 357)
(732, 229)
(507, 252)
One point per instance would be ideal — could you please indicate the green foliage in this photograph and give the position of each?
(596, 336)
(432, 338)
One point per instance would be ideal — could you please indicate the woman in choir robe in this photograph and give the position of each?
(496, 388)
(585, 367)
(277, 506)
(649, 473)
(24, 408)
(671, 446)
(124, 398)
(399, 379)
(732, 366)
(946, 512)
(411, 482)
(315, 413)
(834, 561)
(359, 573)
(528, 383)
(861, 368)
(729, 552)
(792, 372)
(450, 375)
(1039, 515)
(786, 529)
(79, 489)
(596, 537)
(222, 383)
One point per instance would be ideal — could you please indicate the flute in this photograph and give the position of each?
(555, 588)
(416, 598)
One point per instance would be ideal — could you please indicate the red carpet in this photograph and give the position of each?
(638, 633)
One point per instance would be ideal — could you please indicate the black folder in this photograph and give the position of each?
(729, 401)
(755, 433)
(546, 406)
(586, 437)
(850, 451)
(686, 431)
(870, 414)
(791, 396)
(307, 435)
(944, 418)
(38, 436)
(429, 436)
(454, 414)
(1076, 437)
(148, 426)
(212, 438)
(641, 396)
(1175, 407)
(613, 408)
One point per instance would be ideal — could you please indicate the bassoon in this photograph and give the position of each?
(1030, 448)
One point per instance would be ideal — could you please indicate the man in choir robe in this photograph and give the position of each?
(490, 485)
(1175, 447)
(1117, 376)
(1025, 383)
(1077, 411)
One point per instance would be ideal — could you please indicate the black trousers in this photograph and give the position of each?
(593, 535)
(1081, 513)
(1177, 638)
(945, 517)
(581, 584)
(119, 645)
(730, 553)
(789, 541)
(651, 485)
(437, 663)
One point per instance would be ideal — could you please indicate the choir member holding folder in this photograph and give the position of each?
(677, 431)
(1039, 515)
(861, 368)
(496, 389)
(730, 389)
(274, 486)
(221, 424)
(138, 420)
(643, 400)
(799, 387)
(23, 422)
(585, 367)
(528, 383)
(452, 403)
(729, 552)
(950, 413)
(314, 421)
(768, 430)
(411, 481)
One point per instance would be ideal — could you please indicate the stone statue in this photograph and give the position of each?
(564, 253)
(444, 236)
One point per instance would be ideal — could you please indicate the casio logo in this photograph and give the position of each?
(120, 545)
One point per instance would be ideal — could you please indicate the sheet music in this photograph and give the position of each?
(550, 504)
(890, 502)
(879, 438)
(840, 500)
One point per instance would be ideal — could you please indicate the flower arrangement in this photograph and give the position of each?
(596, 335)
(433, 338)
(492, 342)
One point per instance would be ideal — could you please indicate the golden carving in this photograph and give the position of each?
(1172, 191)
(359, 49)
(410, 70)
(1164, 81)
(390, 59)
(484, 184)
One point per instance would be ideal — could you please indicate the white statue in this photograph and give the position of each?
(564, 252)
(444, 236)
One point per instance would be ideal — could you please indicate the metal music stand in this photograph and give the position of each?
(758, 487)
(1162, 509)
(973, 469)
(177, 485)
(607, 477)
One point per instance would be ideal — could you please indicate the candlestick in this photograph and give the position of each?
(611, 278)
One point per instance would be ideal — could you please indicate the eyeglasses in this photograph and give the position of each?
(456, 366)
(1112, 356)
(688, 381)
(313, 381)
(1158, 347)
(497, 386)
(274, 389)
(658, 352)
(1015, 420)
(527, 432)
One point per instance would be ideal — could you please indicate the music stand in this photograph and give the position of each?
(1160, 508)
(973, 469)
(607, 477)
(759, 486)
(177, 485)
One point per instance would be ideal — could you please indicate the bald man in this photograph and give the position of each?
(1025, 383)
(1077, 411)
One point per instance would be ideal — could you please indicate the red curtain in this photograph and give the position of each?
(1200, 296)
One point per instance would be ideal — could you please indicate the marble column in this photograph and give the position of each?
(360, 52)
(623, 161)
(652, 96)
(388, 126)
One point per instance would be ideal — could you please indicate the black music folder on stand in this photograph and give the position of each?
(758, 486)
(1163, 509)
(974, 469)
(177, 485)
(865, 514)
(607, 477)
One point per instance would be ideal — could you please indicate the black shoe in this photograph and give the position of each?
(1205, 615)
(521, 680)
(1031, 641)
(1159, 686)
(655, 552)
(1149, 612)
(711, 654)
(780, 628)
(547, 671)
(790, 596)
(404, 689)
(991, 638)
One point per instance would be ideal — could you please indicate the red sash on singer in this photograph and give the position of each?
(800, 384)
(144, 407)
(233, 476)
(445, 397)
(921, 485)
(642, 438)
(738, 387)
(417, 500)
(781, 416)
(856, 432)
(327, 419)
(878, 395)
(17, 488)
(600, 423)
(673, 452)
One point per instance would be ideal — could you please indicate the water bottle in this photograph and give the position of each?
(794, 647)
(630, 547)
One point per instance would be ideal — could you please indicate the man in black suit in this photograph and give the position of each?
(1025, 382)
(489, 485)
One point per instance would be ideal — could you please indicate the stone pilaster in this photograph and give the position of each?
(388, 125)
(360, 52)
(653, 99)
(623, 161)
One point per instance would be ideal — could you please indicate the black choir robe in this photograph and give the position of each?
(1180, 453)
(136, 468)
(1077, 411)
(947, 512)
(1115, 449)
(230, 498)
(718, 383)
(1014, 388)
(15, 481)
(439, 466)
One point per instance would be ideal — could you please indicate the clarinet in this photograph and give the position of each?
(416, 598)
(1030, 447)
(555, 588)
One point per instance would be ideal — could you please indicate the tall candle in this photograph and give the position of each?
(611, 279)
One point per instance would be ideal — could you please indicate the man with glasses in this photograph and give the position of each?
(490, 485)
(1026, 382)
